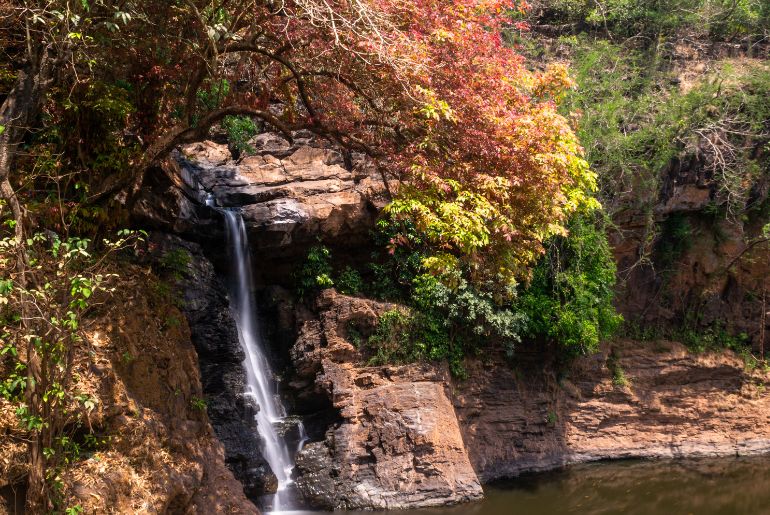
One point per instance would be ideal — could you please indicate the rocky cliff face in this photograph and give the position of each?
(683, 258)
(383, 452)
(220, 359)
(289, 196)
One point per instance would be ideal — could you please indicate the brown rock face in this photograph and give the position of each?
(157, 453)
(684, 254)
(398, 444)
(675, 404)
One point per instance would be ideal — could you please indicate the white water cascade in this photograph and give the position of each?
(260, 383)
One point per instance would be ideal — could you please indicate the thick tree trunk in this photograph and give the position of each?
(17, 114)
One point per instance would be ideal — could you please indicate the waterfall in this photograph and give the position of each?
(260, 384)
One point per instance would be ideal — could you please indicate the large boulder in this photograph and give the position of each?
(397, 443)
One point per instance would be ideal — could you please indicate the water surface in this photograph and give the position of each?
(735, 486)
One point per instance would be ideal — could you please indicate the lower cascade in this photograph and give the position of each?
(260, 385)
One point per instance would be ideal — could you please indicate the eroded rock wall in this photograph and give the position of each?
(632, 400)
(675, 404)
(686, 258)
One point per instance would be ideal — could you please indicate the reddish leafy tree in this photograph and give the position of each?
(426, 87)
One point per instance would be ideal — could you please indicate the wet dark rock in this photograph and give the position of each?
(215, 336)
(166, 203)
(317, 474)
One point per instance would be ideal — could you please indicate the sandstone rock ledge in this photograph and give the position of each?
(675, 405)
(290, 194)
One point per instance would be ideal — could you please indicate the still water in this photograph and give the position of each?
(737, 486)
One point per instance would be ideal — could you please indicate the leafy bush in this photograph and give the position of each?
(42, 315)
(392, 339)
(213, 93)
(350, 282)
(569, 300)
(619, 378)
(240, 129)
(175, 262)
(406, 336)
(398, 260)
(468, 312)
(316, 273)
(198, 403)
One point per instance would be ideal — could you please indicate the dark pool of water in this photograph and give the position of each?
(738, 486)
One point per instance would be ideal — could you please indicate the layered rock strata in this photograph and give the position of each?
(669, 403)
(290, 194)
(632, 400)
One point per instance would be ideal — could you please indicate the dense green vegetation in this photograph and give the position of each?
(664, 86)
(65, 280)
(570, 298)
(715, 20)
(567, 301)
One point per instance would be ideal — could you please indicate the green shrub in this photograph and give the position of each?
(175, 262)
(713, 338)
(316, 273)
(392, 338)
(470, 313)
(350, 282)
(406, 336)
(619, 378)
(397, 262)
(198, 403)
(213, 93)
(569, 300)
(240, 129)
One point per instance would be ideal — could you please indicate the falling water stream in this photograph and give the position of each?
(260, 386)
